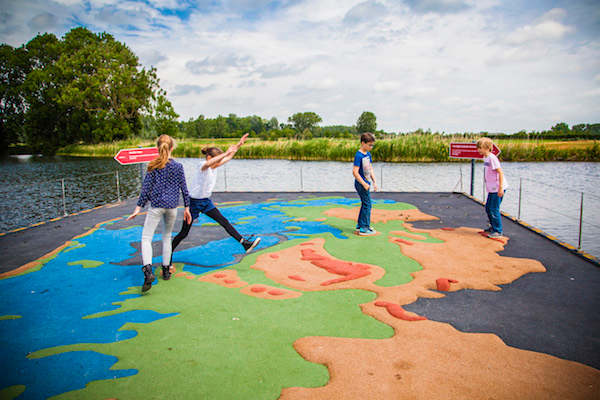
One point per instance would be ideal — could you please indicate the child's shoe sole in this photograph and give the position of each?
(366, 233)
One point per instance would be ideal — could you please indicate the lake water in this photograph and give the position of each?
(551, 193)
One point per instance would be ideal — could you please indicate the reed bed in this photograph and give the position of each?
(408, 148)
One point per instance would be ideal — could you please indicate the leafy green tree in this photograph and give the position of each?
(273, 124)
(165, 117)
(367, 122)
(86, 87)
(103, 78)
(560, 129)
(14, 67)
(48, 124)
(304, 121)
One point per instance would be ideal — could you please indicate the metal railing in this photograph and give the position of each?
(26, 204)
(76, 193)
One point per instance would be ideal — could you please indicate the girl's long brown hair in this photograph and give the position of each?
(212, 151)
(165, 144)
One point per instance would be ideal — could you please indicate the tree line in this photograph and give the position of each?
(90, 88)
(301, 125)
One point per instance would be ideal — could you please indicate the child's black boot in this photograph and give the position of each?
(166, 271)
(148, 277)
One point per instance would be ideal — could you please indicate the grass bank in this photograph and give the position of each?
(409, 148)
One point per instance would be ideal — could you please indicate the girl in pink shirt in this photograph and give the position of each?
(494, 185)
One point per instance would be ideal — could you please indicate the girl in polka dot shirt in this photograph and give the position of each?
(161, 187)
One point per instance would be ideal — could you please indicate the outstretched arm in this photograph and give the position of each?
(228, 155)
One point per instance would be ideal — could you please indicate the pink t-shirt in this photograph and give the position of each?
(490, 172)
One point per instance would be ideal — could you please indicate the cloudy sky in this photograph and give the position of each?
(444, 65)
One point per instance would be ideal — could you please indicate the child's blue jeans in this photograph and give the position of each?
(364, 216)
(492, 208)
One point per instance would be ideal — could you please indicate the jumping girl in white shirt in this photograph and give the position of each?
(202, 184)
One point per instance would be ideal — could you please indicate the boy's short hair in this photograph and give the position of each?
(485, 143)
(367, 137)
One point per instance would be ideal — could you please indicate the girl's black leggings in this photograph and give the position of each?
(214, 214)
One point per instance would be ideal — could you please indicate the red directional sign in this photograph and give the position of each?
(468, 150)
(135, 156)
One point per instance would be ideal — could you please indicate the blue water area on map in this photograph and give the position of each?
(51, 304)
(53, 301)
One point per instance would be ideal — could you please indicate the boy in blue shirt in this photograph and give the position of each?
(363, 177)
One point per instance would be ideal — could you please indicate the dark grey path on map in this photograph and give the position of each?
(556, 312)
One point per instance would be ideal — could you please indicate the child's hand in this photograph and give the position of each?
(366, 186)
(187, 216)
(375, 188)
(135, 212)
(501, 192)
(243, 139)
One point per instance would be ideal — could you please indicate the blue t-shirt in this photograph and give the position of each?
(363, 162)
(162, 186)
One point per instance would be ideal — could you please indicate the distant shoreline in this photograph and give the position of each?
(410, 148)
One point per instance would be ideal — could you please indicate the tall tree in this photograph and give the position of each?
(14, 67)
(103, 78)
(273, 124)
(367, 122)
(165, 117)
(86, 87)
(47, 122)
(305, 120)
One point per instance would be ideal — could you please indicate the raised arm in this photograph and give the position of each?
(214, 161)
(229, 154)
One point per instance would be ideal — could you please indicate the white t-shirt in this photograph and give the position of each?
(491, 174)
(201, 183)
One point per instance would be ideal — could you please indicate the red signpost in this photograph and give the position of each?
(468, 150)
(136, 156)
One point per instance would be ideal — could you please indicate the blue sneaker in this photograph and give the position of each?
(366, 232)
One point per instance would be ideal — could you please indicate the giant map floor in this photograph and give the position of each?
(427, 308)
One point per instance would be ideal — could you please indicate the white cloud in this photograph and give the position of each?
(547, 28)
(184, 90)
(279, 70)
(388, 86)
(368, 11)
(218, 64)
(438, 6)
(43, 22)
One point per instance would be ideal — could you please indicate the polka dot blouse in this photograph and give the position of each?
(162, 186)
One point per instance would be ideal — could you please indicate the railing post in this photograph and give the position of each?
(381, 179)
(118, 188)
(225, 177)
(62, 182)
(472, 175)
(520, 193)
(301, 180)
(580, 220)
